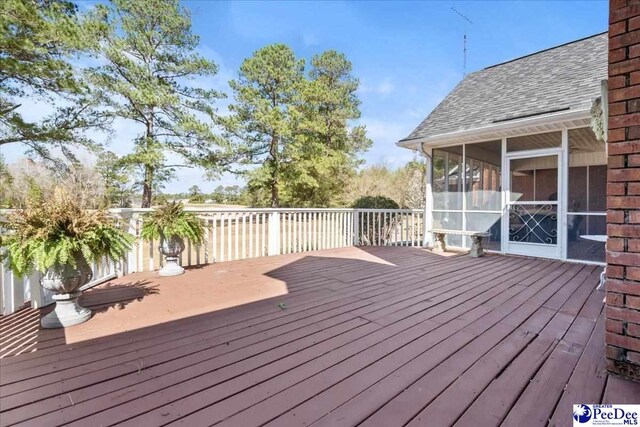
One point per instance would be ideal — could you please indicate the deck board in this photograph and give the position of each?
(372, 336)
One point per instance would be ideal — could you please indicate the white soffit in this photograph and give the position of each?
(528, 126)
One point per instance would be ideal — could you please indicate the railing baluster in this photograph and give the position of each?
(330, 226)
(206, 240)
(340, 241)
(379, 229)
(261, 235)
(236, 233)
(229, 237)
(250, 219)
(244, 236)
(214, 238)
(151, 263)
(292, 232)
(314, 235)
(307, 234)
(413, 229)
(287, 230)
(296, 247)
(395, 229)
(139, 247)
(222, 236)
(264, 234)
(327, 233)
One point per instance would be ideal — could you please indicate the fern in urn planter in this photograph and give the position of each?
(171, 224)
(59, 239)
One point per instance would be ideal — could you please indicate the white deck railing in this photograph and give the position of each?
(16, 291)
(234, 234)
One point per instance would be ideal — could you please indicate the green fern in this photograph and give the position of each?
(171, 220)
(56, 232)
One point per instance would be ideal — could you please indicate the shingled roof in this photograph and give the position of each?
(565, 77)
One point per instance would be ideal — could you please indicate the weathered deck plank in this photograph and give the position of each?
(384, 336)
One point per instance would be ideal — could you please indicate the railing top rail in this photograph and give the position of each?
(130, 211)
(262, 210)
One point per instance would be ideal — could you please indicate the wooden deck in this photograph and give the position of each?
(370, 336)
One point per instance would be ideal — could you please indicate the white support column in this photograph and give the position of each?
(463, 176)
(427, 223)
(506, 196)
(273, 245)
(563, 202)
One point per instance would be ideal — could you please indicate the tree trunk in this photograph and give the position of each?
(275, 197)
(147, 184)
(275, 171)
(146, 187)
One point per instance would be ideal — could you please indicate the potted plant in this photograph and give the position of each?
(61, 240)
(171, 224)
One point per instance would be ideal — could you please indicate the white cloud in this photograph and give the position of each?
(387, 130)
(310, 39)
(384, 87)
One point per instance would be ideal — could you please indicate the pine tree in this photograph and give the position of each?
(297, 127)
(38, 39)
(267, 93)
(329, 146)
(149, 55)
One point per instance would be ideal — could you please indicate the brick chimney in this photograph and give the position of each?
(623, 191)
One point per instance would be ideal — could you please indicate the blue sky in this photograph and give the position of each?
(407, 55)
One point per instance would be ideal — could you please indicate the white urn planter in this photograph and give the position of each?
(171, 249)
(65, 281)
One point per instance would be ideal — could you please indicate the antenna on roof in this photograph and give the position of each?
(464, 50)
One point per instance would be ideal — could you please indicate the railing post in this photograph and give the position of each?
(356, 227)
(36, 292)
(132, 256)
(129, 264)
(12, 291)
(273, 234)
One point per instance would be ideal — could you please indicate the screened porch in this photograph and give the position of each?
(540, 194)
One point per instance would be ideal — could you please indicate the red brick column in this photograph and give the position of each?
(623, 191)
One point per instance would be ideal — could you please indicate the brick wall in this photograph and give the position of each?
(623, 191)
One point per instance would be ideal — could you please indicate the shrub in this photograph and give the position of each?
(375, 227)
(375, 202)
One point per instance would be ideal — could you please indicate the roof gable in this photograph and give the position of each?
(566, 77)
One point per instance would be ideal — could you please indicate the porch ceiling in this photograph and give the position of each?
(529, 126)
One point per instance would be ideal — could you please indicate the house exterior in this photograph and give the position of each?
(512, 152)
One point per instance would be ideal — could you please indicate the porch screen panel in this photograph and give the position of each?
(447, 184)
(447, 191)
(586, 210)
(467, 190)
(483, 191)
